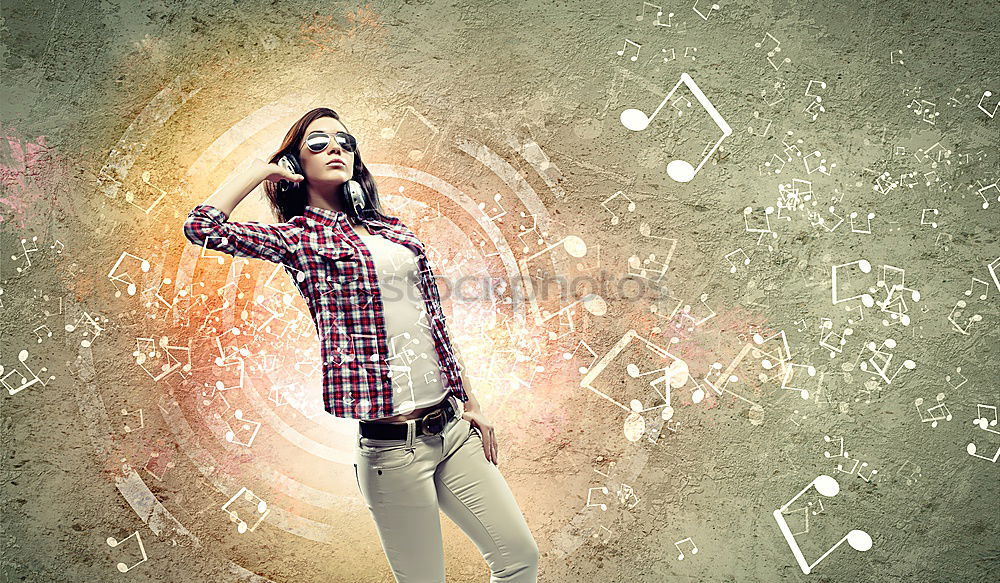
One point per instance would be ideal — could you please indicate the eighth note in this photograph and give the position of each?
(113, 542)
(680, 170)
(989, 113)
(694, 550)
(637, 46)
(729, 258)
(923, 218)
(859, 540)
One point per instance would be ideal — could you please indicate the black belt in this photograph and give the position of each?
(430, 423)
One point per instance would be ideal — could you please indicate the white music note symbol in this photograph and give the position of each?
(680, 170)
(859, 540)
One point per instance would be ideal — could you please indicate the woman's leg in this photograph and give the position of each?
(473, 493)
(396, 478)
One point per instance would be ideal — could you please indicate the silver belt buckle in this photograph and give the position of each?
(432, 422)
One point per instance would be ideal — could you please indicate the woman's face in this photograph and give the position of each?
(320, 167)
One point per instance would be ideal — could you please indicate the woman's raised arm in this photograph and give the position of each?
(208, 223)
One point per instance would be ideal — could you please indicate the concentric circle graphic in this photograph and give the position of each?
(245, 407)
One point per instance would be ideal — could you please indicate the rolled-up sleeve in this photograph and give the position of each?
(209, 227)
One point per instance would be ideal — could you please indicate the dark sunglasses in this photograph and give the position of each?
(319, 141)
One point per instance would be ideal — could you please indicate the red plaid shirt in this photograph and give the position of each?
(334, 272)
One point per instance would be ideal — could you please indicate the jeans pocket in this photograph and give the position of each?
(391, 458)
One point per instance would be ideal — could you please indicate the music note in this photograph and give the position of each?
(867, 231)
(756, 116)
(866, 298)
(892, 57)
(991, 267)
(859, 540)
(871, 475)
(984, 110)
(601, 505)
(593, 356)
(925, 109)
(934, 418)
(25, 380)
(821, 167)
(840, 467)
(712, 8)
(913, 473)
(144, 266)
(679, 170)
(142, 422)
(984, 423)
(616, 218)
(771, 53)
(986, 201)
(641, 15)
(923, 217)
(113, 542)
(637, 46)
(497, 212)
(694, 549)
(248, 496)
(746, 259)
(972, 288)
(959, 375)
(815, 106)
(246, 426)
(762, 227)
(659, 13)
(85, 317)
(158, 464)
(49, 332)
(831, 340)
(956, 313)
(774, 161)
(842, 453)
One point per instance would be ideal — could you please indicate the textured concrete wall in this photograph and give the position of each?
(825, 305)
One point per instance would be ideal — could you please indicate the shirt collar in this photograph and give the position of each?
(331, 217)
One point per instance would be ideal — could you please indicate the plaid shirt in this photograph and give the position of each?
(334, 272)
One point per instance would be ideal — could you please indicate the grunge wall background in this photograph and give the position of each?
(864, 145)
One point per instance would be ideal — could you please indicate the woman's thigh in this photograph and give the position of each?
(474, 494)
(397, 485)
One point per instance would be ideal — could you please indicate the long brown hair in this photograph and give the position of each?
(293, 203)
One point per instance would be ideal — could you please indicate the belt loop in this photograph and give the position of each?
(411, 429)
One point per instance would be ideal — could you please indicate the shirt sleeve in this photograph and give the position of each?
(209, 227)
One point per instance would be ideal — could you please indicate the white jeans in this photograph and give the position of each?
(405, 481)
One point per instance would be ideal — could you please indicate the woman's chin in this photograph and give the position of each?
(331, 179)
(338, 175)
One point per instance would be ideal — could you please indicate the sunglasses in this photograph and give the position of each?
(319, 141)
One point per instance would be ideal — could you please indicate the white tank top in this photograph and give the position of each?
(413, 363)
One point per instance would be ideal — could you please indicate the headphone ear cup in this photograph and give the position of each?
(290, 162)
(354, 197)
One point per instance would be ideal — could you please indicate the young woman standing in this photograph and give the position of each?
(422, 444)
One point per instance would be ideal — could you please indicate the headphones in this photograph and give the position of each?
(350, 192)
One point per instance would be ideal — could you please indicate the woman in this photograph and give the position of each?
(423, 444)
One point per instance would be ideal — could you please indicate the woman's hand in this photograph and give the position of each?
(274, 172)
(479, 421)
